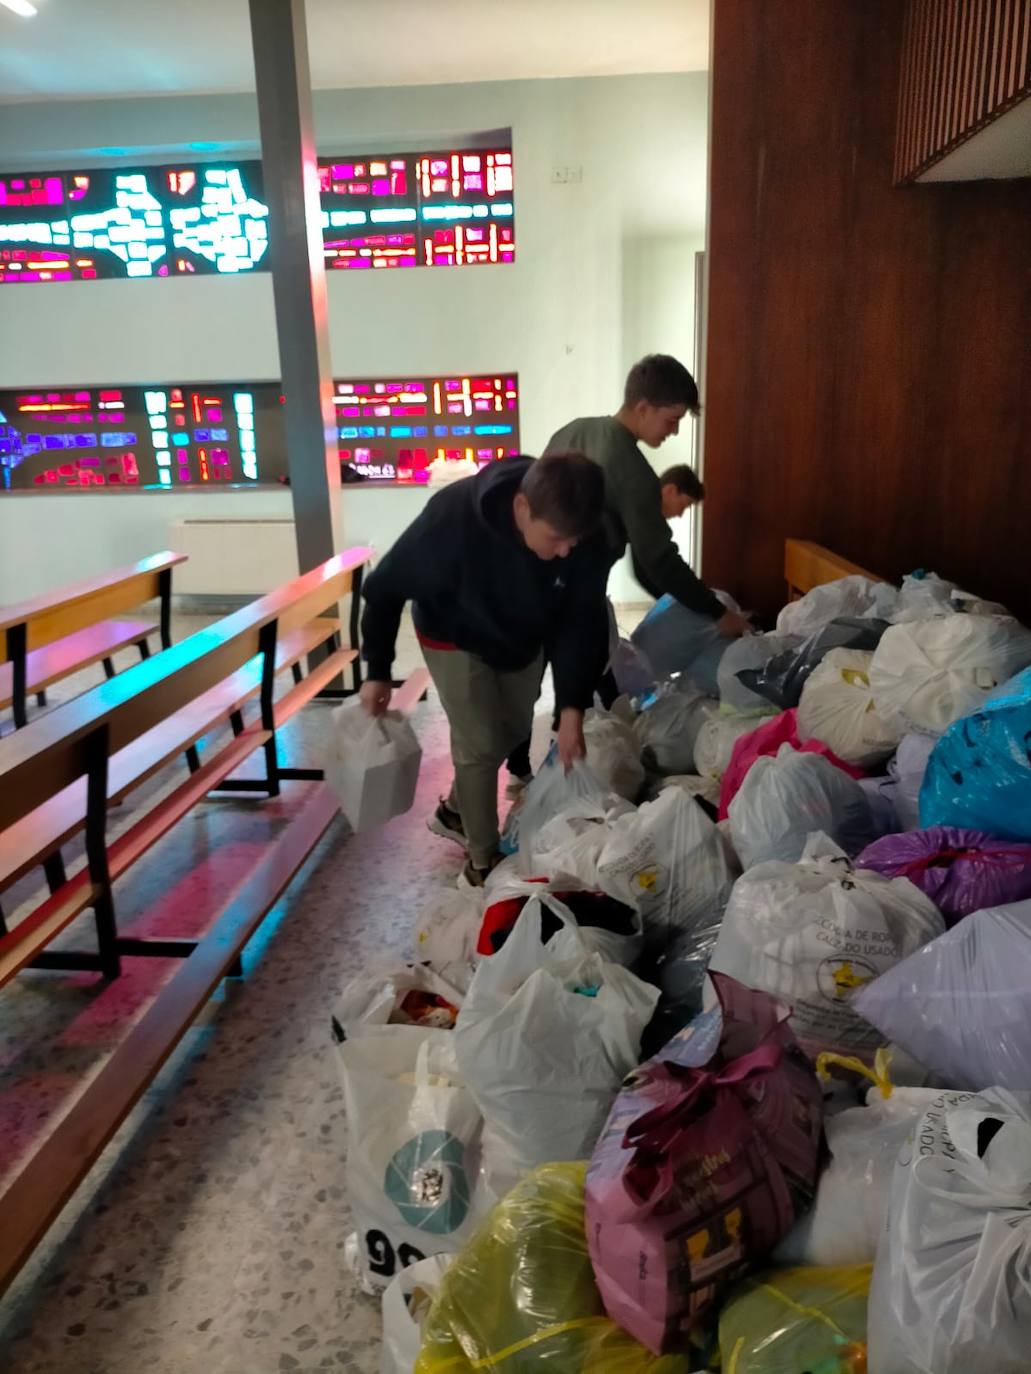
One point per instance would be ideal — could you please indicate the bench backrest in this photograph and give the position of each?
(52, 751)
(67, 609)
(809, 565)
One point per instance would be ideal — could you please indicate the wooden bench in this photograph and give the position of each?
(80, 742)
(50, 637)
(808, 565)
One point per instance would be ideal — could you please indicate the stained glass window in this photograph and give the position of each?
(388, 210)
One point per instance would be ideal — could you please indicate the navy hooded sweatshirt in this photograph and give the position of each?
(473, 583)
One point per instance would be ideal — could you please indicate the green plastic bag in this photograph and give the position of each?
(521, 1296)
(786, 1321)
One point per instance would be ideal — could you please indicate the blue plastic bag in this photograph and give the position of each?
(979, 773)
(676, 640)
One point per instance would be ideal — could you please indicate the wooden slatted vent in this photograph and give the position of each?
(964, 63)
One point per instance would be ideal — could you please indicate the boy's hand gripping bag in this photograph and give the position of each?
(372, 765)
(709, 1155)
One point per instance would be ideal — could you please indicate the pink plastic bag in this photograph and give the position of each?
(709, 1155)
(767, 739)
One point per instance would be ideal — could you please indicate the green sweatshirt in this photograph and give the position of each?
(633, 511)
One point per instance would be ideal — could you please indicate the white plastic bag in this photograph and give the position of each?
(951, 1290)
(927, 674)
(749, 652)
(962, 1005)
(372, 764)
(852, 596)
(845, 1222)
(406, 1304)
(445, 935)
(716, 740)
(669, 724)
(811, 933)
(376, 999)
(837, 707)
(613, 753)
(669, 861)
(413, 1149)
(906, 775)
(551, 792)
(923, 596)
(545, 1037)
(784, 800)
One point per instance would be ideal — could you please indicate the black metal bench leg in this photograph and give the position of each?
(235, 969)
(192, 758)
(236, 721)
(3, 923)
(109, 668)
(144, 649)
(41, 698)
(96, 852)
(295, 668)
(53, 868)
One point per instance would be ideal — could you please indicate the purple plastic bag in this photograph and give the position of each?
(960, 870)
(709, 1155)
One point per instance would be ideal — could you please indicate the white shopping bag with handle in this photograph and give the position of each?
(372, 765)
(406, 1305)
(413, 1149)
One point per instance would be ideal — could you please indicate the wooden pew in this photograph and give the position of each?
(78, 741)
(49, 637)
(808, 565)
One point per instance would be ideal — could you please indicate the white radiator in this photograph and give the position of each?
(233, 557)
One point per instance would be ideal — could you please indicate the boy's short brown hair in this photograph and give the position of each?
(567, 490)
(685, 479)
(661, 381)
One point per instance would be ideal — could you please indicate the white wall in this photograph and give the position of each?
(604, 273)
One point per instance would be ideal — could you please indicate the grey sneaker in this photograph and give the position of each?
(471, 876)
(448, 824)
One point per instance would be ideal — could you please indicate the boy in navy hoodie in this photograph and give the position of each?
(502, 569)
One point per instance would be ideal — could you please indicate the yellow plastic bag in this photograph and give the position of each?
(784, 1321)
(521, 1296)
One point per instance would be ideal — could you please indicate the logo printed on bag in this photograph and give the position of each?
(426, 1182)
(837, 979)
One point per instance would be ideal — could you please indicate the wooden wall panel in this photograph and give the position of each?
(868, 365)
(963, 63)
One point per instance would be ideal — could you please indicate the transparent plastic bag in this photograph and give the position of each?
(930, 673)
(552, 791)
(750, 653)
(837, 707)
(521, 1296)
(668, 725)
(784, 800)
(782, 678)
(855, 595)
(613, 753)
(372, 764)
(784, 1321)
(951, 1291)
(676, 640)
(961, 1006)
(406, 1302)
(811, 933)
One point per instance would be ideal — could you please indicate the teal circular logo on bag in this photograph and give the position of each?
(426, 1182)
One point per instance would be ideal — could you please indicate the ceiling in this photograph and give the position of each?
(75, 49)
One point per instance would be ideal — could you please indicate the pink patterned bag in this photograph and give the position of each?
(709, 1155)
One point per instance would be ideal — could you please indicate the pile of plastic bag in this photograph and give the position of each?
(694, 998)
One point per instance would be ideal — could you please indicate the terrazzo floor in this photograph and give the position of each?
(209, 1237)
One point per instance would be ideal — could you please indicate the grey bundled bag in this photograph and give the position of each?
(781, 680)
